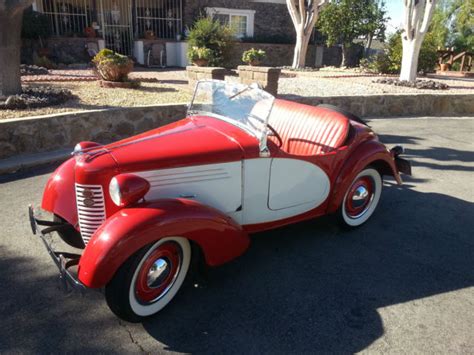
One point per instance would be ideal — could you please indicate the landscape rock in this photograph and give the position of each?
(36, 97)
(33, 70)
(418, 84)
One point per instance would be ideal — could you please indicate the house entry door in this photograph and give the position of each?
(116, 19)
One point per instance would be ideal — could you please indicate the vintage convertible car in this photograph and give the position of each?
(240, 162)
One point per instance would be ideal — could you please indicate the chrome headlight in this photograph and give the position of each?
(125, 189)
(114, 190)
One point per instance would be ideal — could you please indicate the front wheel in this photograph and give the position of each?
(361, 199)
(149, 279)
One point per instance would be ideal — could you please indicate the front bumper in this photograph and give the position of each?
(63, 260)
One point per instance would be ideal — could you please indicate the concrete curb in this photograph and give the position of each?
(27, 162)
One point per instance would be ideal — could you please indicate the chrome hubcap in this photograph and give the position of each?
(158, 272)
(360, 196)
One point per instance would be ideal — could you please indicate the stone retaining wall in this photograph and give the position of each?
(397, 105)
(48, 133)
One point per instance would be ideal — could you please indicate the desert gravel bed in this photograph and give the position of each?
(90, 96)
(170, 86)
(320, 86)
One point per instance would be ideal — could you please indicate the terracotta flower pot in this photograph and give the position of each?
(254, 63)
(201, 62)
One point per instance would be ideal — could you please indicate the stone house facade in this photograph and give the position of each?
(153, 30)
(263, 19)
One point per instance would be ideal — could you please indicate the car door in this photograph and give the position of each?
(278, 188)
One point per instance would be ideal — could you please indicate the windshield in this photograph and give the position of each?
(247, 107)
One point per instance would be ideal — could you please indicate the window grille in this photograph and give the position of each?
(68, 17)
(159, 19)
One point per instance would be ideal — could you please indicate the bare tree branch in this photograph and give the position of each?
(408, 12)
(429, 11)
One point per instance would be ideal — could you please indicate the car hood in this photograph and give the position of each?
(192, 141)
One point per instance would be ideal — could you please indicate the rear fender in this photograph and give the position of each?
(371, 152)
(130, 229)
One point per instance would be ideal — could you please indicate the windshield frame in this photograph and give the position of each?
(262, 134)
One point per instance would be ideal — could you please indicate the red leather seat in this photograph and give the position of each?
(308, 130)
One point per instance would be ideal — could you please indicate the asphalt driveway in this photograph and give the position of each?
(402, 283)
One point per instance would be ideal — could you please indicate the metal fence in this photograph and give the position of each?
(119, 21)
(161, 19)
(68, 17)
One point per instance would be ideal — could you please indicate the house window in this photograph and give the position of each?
(242, 21)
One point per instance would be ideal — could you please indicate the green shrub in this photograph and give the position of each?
(253, 56)
(44, 62)
(112, 66)
(379, 63)
(211, 34)
(390, 61)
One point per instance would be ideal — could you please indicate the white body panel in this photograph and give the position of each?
(267, 189)
(215, 185)
(295, 182)
(258, 178)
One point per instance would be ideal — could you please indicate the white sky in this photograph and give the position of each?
(395, 12)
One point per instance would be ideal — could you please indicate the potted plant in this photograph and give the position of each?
(113, 69)
(200, 56)
(209, 33)
(253, 56)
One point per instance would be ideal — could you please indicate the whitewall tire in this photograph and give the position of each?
(150, 279)
(361, 198)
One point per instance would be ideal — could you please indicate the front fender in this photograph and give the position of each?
(371, 152)
(130, 229)
(59, 196)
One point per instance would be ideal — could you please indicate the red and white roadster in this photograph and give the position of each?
(241, 162)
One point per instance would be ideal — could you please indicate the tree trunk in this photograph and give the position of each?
(368, 45)
(10, 46)
(301, 48)
(411, 52)
(345, 55)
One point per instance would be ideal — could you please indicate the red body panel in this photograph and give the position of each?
(196, 141)
(59, 195)
(371, 152)
(131, 229)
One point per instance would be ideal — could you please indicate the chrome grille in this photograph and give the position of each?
(90, 209)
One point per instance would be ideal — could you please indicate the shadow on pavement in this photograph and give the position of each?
(311, 286)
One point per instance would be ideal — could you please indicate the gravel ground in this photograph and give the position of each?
(162, 86)
(321, 86)
(90, 96)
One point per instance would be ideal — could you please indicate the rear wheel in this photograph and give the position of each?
(149, 280)
(361, 199)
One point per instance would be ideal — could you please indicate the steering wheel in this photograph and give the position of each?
(276, 135)
(273, 131)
